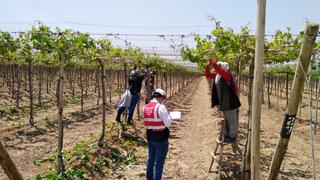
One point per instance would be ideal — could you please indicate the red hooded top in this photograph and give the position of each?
(227, 76)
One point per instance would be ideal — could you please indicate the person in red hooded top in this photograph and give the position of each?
(210, 74)
(224, 94)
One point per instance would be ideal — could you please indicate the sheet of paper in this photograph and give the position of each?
(175, 114)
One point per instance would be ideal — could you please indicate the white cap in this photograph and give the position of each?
(224, 65)
(159, 91)
(134, 73)
(220, 63)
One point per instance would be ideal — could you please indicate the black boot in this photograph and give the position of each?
(129, 122)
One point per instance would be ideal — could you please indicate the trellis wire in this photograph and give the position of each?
(314, 172)
(317, 105)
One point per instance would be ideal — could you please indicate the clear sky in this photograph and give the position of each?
(154, 17)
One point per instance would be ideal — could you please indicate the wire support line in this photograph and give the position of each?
(207, 36)
(112, 26)
(127, 26)
(311, 133)
(161, 54)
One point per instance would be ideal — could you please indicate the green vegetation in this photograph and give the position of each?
(85, 160)
(42, 46)
(237, 48)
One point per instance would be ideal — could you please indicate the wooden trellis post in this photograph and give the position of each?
(60, 165)
(294, 99)
(8, 165)
(287, 88)
(104, 101)
(247, 151)
(257, 91)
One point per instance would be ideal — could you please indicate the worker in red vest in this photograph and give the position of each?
(157, 121)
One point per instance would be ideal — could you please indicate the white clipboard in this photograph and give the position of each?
(175, 115)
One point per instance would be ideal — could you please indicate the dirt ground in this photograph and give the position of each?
(192, 139)
(27, 144)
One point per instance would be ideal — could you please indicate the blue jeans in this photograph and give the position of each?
(156, 157)
(134, 101)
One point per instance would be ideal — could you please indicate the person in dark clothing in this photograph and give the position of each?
(211, 75)
(135, 83)
(149, 85)
(224, 94)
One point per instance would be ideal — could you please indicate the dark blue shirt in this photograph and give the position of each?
(135, 83)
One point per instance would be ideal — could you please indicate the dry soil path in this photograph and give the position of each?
(193, 138)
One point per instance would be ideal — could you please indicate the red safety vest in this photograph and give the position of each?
(151, 117)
